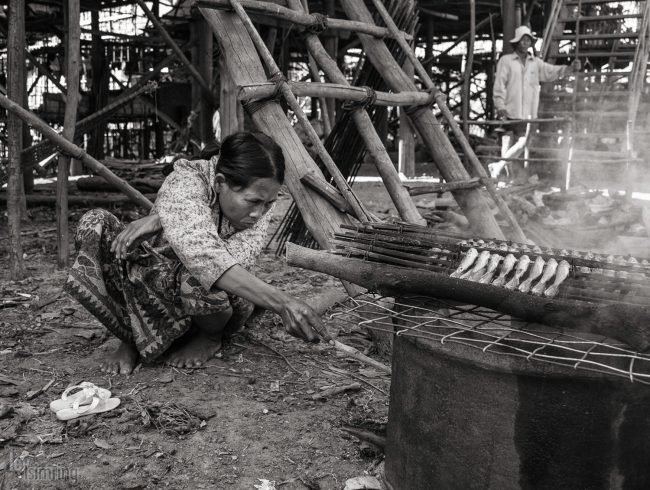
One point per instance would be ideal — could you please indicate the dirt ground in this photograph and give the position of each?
(245, 417)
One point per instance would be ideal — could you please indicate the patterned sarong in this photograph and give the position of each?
(146, 300)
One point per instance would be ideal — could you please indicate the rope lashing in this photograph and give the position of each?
(367, 101)
(252, 106)
(435, 96)
(319, 24)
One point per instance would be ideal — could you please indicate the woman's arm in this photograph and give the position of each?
(134, 233)
(299, 319)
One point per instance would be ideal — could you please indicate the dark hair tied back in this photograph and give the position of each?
(247, 156)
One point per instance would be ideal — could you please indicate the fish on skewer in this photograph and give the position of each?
(491, 269)
(562, 273)
(549, 271)
(622, 274)
(588, 256)
(535, 272)
(508, 263)
(468, 260)
(480, 263)
(520, 270)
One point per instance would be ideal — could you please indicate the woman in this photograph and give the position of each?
(188, 284)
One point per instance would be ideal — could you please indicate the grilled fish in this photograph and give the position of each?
(563, 269)
(588, 256)
(609, 272)
(491, 269)
(520, 270)
(508, 263)
(620, 260)
(535, 272)
(480, 263)
(549, 271)
(468, 260)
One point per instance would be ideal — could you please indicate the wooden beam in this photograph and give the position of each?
(241, 60)
(16, 88)
(73, 150)
(72, 55)
(467, 76)
(300, 18)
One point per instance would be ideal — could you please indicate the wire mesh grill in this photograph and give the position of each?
(490, 331)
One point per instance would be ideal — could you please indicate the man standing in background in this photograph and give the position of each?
(516, 91)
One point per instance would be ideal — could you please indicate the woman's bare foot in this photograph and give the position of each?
(122, 361)
(194, 351)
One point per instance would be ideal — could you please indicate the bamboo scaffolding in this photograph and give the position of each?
(516, 233)
(472, 202)
(243, 64)
(272, 67)
(398, 193)
(73, 38)
(74, 151)
(205, 88)
(301, 18)
(36, 151)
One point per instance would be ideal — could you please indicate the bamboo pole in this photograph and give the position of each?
(15, 89)
(72, 51)
(334, 91)
(73, 150)
(315, 77)
(472, 202)
(272, 67)
(516, 233)
(467, 77)
(301, 18)
(205, 88)
(398, 193)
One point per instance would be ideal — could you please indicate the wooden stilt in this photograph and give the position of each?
(377, 150)
(406, 136)
(16, 87)
(72, 53)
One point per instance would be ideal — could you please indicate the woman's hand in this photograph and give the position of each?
(134, 233)
(301, 321)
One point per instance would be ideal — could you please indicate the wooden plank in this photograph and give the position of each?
(242, 61)
(15, 89)
(72, 50)
(231, 117)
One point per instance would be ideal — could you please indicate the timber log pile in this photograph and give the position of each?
(587, 292)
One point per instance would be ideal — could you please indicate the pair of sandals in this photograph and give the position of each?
(83, 399)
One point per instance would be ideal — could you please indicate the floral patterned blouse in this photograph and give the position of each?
(203, 239)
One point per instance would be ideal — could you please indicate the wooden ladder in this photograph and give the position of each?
(605, 101)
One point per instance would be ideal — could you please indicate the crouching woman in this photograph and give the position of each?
(179, 290)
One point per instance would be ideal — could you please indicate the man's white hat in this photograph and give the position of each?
(520, 32)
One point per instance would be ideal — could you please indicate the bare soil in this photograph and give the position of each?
(246, 416)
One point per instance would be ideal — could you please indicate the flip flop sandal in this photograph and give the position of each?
(85, 396)
(98, 405)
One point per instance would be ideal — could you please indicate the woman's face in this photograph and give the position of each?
(243, 206)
